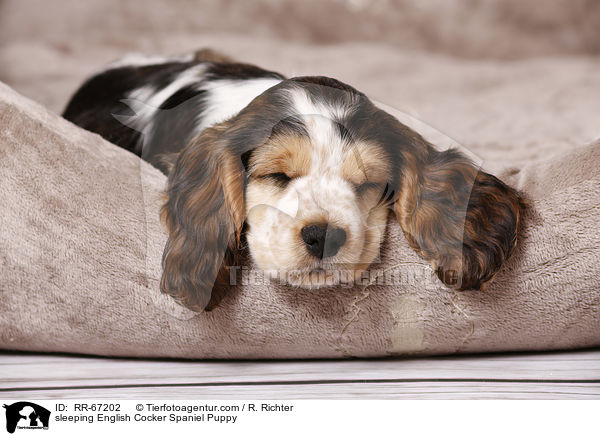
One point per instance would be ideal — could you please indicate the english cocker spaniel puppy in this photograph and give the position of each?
(304, 171)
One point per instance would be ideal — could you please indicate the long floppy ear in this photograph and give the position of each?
(464, 221)
(204, 215)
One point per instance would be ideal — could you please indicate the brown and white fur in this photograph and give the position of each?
(305, 170)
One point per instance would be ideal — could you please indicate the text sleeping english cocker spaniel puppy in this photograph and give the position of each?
(301, 172)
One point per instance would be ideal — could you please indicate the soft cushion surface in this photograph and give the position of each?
(80, 249)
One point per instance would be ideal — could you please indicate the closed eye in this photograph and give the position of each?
(281, 179)
(367, 186)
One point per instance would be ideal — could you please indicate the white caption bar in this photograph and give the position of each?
(91, 417)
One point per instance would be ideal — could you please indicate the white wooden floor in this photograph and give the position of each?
(558, 375)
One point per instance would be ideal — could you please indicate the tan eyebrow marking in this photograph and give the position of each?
(366, 162)
(288, 154)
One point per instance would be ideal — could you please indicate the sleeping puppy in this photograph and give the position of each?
(303, 170)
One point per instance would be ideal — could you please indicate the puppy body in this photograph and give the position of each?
(154, 106)
(308, 166)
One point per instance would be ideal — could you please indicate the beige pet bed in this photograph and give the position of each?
(80, 249)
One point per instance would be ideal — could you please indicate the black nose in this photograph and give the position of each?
(323, 241)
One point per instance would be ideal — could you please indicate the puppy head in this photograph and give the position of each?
(315, 200)
(312, 168)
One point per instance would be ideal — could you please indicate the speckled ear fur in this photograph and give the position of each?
(463, 220)
(204, 217)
